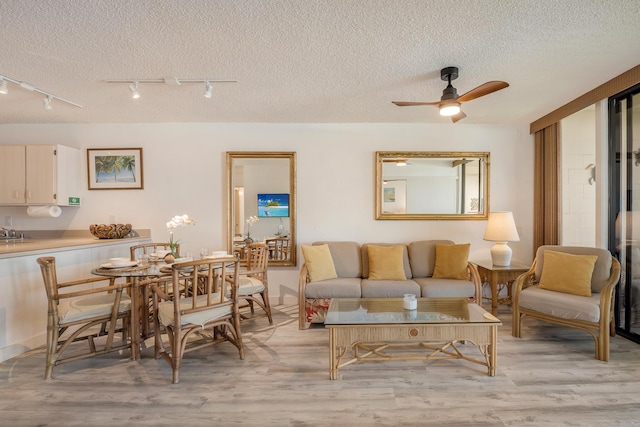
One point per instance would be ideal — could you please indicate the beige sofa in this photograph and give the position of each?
(351, 262)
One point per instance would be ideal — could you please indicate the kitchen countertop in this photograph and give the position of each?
(42, 242)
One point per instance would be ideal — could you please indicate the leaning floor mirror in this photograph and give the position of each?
(262, 204)
(431, 185)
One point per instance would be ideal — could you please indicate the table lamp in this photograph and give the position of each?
(501, 228)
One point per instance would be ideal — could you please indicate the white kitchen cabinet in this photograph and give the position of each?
(39, 175)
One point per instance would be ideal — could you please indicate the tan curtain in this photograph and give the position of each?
(545, 205)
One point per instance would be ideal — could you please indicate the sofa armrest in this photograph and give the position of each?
(302, 284)
(474, 277)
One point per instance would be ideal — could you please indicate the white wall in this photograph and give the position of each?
(184, 172)
(578, 195)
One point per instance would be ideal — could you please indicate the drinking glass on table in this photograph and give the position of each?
(204, 252)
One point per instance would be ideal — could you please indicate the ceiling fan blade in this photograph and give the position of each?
(458, 116)
(482, 90)
(409, 104)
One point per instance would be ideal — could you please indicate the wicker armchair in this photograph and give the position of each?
(592, 314)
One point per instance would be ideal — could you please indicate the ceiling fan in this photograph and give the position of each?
(450, 101)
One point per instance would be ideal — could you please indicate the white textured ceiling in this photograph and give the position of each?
(308, 60)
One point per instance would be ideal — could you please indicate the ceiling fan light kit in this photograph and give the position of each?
(450, 109)
(171, 81)
(449, 104)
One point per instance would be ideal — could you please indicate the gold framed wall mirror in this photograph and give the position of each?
(262, 203)
(427, 185)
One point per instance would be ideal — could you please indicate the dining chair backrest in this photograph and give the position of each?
(257, 257)
(137, 251)
(201, 281)
(279, 248)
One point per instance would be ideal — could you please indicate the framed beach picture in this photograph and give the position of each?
(114, 168)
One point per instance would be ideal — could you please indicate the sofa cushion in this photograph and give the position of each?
(422, 256)
(340, 287)
(347, 258)
(365, 258)
(386, 263)
(601, 270)
(388, 288)
(319, 262)
(564, 306)
(451, 261)
(445, 288)
(567, 273)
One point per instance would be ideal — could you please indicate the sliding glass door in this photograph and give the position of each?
(624, 232)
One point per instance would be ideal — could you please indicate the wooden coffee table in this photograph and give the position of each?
(376, 327)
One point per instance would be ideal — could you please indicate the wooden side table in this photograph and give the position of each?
(499, 275)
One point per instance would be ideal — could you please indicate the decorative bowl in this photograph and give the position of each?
(110, 231)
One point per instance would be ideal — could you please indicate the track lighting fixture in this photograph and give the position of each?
(171, 81)
(47, 103)
(134, 90)
(32, 88)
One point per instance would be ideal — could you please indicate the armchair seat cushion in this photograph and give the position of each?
(388, 288)
(72, 310)
(445, 288)
(562, 305)
(342, 287)
(165, 311)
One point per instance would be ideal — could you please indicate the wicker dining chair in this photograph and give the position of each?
(208, 316)
(84, 311)
(254, 286)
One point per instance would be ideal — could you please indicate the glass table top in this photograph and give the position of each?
(362, 311)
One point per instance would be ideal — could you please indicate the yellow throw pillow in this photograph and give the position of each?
(319, 262)
(386, 263)
(451, 261)
(568, 273)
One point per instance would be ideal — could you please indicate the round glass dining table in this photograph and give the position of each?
(139, 293)
(140, 314)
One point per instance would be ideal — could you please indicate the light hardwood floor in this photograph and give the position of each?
(549, 377)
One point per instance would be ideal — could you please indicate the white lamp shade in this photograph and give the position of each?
(501, 228)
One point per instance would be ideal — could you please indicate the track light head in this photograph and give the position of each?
(134, 90)
(207, 91)
(3, 86)
(47, 103)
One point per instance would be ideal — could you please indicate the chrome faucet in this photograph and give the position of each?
(6, 233)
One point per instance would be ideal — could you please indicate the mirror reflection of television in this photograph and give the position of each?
(272, 205)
